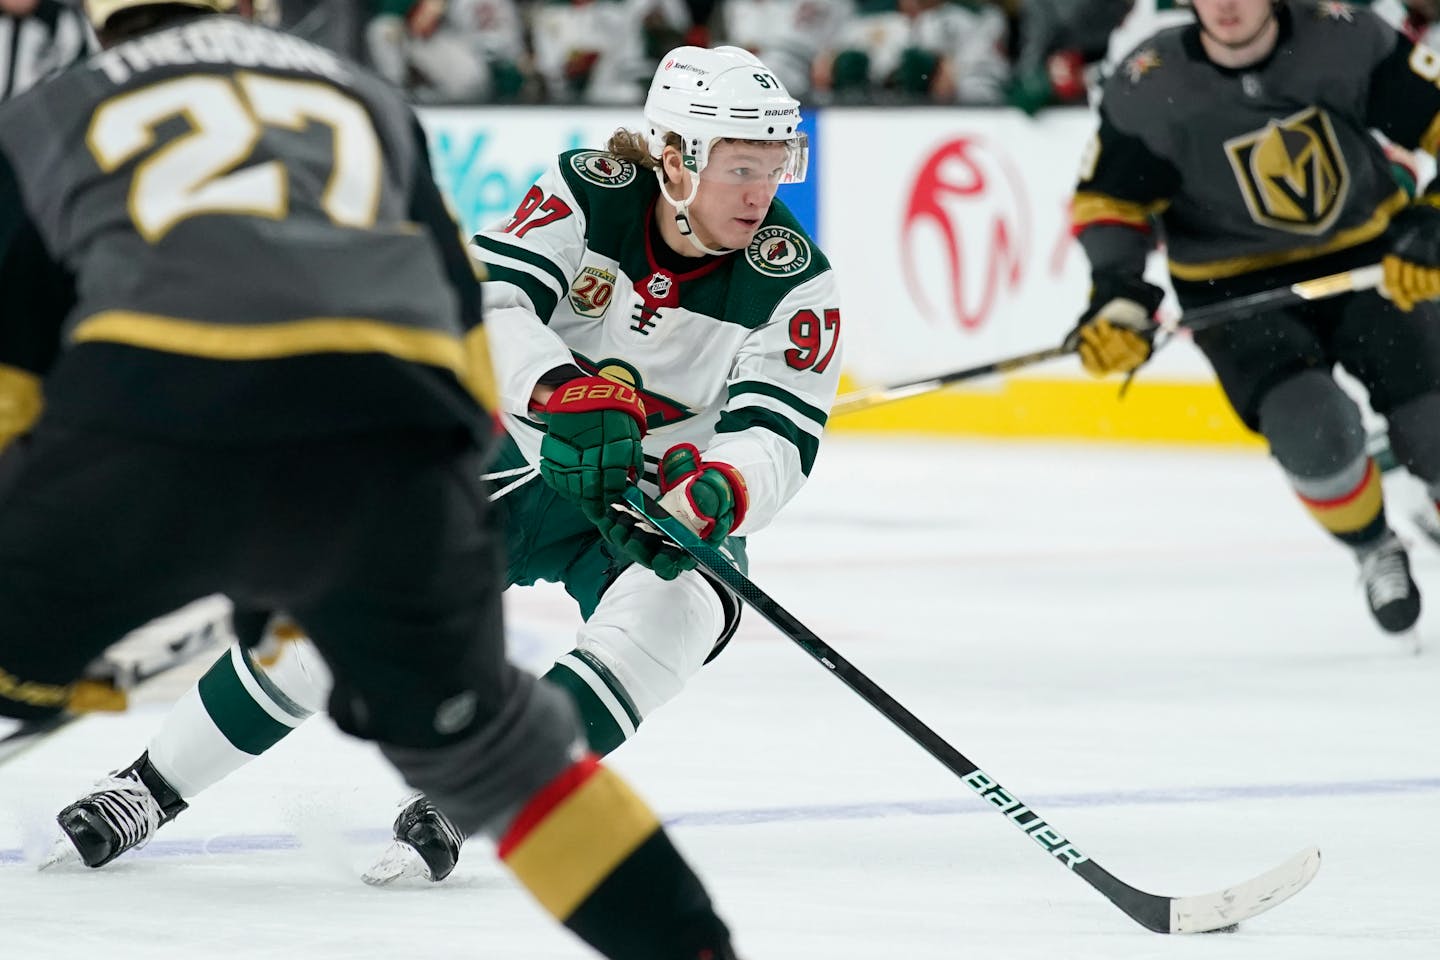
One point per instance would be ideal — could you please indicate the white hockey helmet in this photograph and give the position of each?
(703, 95)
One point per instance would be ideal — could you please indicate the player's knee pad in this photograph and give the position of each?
(1415, 436)
(652, 635)
(1313, 426)
(483, 779)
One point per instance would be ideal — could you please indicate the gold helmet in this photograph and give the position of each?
(266, 11)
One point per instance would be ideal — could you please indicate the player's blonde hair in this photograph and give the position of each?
(631, 145)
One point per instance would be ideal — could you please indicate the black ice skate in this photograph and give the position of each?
(1391, 591)
(426, 845)
(124, 812)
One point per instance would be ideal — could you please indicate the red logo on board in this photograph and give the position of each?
(966, 233)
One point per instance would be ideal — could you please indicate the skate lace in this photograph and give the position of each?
(129, 807)
(1386, 578)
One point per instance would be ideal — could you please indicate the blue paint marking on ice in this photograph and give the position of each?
(816, 813)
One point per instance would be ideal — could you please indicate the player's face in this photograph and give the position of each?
(736, 188)
(1234, 23)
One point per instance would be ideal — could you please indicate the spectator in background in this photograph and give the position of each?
(1059, 39)
(38, 38)
(336, 24)
(1144, 19)
(1414, 18)
(789, 35)
(600, 51)
(941, 51)
(451, 51)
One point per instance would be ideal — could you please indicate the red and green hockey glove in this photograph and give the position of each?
(707, 496)
(636, 540)
(591, 450)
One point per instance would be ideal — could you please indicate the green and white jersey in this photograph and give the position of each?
(738, 355)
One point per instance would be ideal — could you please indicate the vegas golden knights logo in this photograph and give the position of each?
(1292, 173)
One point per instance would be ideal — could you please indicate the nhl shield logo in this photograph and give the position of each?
(658, 286)
(603, 169)
(778, 252)
(1292, 172)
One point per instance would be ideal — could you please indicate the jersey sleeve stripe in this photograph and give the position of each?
(784, 396)
(1091, 208)
(735, 421)
(522, 255)
(763, 402)
(1340, 240)
(542, 298)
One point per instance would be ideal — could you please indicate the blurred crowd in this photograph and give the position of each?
(1024, 53)
(826, 51)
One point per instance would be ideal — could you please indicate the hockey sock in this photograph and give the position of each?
(595, 856)
(605, 708)
(1350, 504)
(234, 714)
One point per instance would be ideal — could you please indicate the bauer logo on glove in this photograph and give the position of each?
(591, 450)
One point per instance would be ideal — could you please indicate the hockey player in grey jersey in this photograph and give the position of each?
(1247, 137)
(258, 334)
(654, 314)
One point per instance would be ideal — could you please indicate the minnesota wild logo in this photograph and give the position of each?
(603, 169)
(660, 410)
(1292, 173)
(778, 252)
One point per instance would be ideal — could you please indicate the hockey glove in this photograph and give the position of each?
(1412, 267)
(706, 496)
(591, 450)
(635, 539)
(1114, 333)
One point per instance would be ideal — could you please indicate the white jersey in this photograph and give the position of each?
(740, 355)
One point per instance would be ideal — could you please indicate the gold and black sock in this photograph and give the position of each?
(596, 857)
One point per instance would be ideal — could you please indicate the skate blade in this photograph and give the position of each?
(62, 852)
(399, 862)
(1428, 525)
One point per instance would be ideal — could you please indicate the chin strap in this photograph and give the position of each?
(682, 219)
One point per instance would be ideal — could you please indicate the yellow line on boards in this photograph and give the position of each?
(1164, 411)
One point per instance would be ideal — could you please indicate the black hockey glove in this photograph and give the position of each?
(1114, 333)
(1412, 267)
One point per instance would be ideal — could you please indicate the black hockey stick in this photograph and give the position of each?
(1196, 914)
(1201, 318)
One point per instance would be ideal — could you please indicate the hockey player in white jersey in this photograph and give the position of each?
(655, 314)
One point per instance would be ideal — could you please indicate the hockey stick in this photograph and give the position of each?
(133, 661)
(1201, 318)
(1198, 914)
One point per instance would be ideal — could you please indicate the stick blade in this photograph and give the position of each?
(1211, 911)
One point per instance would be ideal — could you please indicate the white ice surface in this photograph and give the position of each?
(1182, 678)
